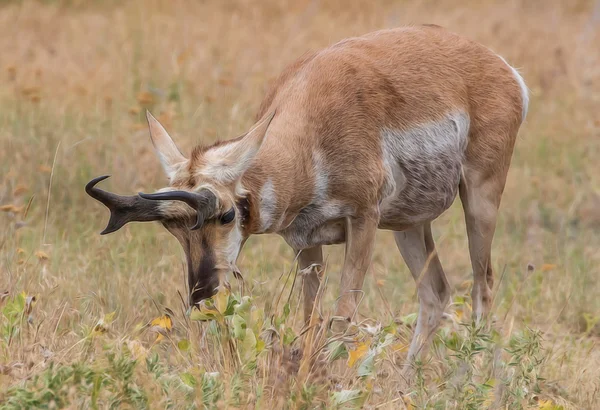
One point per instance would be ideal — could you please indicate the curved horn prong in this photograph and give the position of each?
(203, 202)
(123, 209)
(96, 193)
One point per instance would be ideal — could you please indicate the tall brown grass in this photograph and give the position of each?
(75, 80)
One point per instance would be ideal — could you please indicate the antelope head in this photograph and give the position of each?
(201, 206)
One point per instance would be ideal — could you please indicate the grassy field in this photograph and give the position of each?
(82, 317)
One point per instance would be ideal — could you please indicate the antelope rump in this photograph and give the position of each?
(374, 132)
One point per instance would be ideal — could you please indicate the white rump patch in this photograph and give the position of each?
(524, 89)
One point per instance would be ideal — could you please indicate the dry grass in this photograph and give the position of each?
(76, 78)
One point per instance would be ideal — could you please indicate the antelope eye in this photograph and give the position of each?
(228, 216)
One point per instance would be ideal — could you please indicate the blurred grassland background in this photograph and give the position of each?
(75, 80)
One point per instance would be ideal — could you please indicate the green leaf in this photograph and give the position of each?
(337, 350)
(221, 300)
(174, 92)
(391, 328)
(409, 319)
(232, 302)
(289, 336)
(590, 321)
(248, 345)
(355, 398)
(243, 308)
(367, 366)
(183, 345)
(204, 314)
(239, 327)
(260, 345)
(286, 310)
(109, 317)
(188, 379)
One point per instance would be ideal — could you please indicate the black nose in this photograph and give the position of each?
(198, 294)
(203, 278)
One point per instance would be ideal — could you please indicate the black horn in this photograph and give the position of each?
(203, 202)
(123, 209)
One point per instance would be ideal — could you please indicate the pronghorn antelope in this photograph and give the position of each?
(380, 131)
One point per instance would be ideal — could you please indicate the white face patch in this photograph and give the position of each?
(424, 168)
(234, 245)
(268, 204)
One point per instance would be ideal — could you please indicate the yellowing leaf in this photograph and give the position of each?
(459, 314)
(355, 354)
(161, 325)
(145, 98)
(164, 322)
(248, 345)
(134, 110)
(203, 311)
(102, 325)
(183, 345)
(260, 345)
(548, 267)
(590, 321)
(547, 405)
(221, 299)
(188, 379)
(10, 208)
(400, 347)
(408, 402)
(20, 190)
(42, 256)
(109, 317)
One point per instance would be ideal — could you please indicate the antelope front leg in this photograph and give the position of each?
(360, 237)
(307, 259)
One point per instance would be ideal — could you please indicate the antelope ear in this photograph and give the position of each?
(168, 153)
(228, 162)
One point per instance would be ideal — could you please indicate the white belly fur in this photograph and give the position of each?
(423, 172)
(424, 167)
